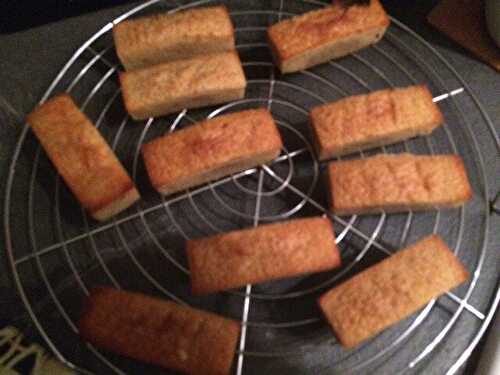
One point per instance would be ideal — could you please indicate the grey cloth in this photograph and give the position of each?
(30, 61)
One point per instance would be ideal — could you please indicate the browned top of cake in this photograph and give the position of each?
(307, 31)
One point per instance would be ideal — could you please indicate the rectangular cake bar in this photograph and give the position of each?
(158, 38)
(315, 37)
(82, 157)
(159, 332)
(391, 290)
(379, 118)
(397, 183)
(211, 149)
(267, 252)
(196, 82)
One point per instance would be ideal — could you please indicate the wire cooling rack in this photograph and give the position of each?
(56, 253)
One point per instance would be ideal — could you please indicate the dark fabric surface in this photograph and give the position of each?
(32, 58)
(18, 15)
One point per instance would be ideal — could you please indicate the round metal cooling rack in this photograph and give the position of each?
(57, 254)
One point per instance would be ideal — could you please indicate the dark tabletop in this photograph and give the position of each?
(31, 59)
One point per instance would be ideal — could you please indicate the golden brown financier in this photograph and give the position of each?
(264, 253)
(397, 183)
(211, 149)
(391, 290)
(365, 121)
(159, 332)
(328, 33)
(82, 157)
(191, 83)
(165, 37)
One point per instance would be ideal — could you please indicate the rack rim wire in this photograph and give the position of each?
(348, 226)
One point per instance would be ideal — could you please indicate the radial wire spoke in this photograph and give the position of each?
(248, 288)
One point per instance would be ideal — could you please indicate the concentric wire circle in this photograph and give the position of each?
(65, 254)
